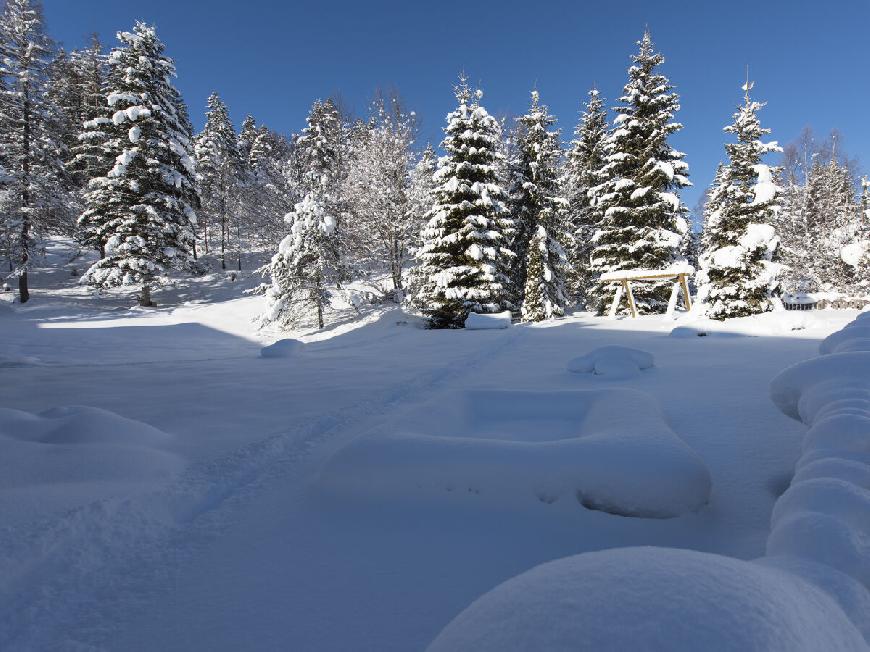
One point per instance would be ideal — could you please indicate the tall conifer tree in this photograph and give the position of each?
(465, 256)
(643, 221)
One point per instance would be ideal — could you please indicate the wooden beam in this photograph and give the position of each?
(616, 299)
(686, 296)
(630, 295)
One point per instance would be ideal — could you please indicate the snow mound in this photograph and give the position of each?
(616, 362)
(806, 389)
(477, 322)
(652, 599)
(70, 456)
(854, 337)
(609, 450)
(286, 348)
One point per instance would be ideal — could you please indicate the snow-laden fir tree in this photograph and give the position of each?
(465, 256)
(87, 155)
(538, 210)
(141, 209)
(584, 171)
(377, 188)
(819, 219)
(643, 221)
(267, 193)
(308, 260)
(219, 172)
(737, 275)
(247, 134)
(33, 181)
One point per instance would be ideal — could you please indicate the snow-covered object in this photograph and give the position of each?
(614, 362)
(65, 457)
(476, 321)
(286, 348)
(673, 269)
(610, 450)
(656, 599)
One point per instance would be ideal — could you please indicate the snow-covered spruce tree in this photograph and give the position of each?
(141, 209)
(87, 159)
(465, 257)
(34, 183)
(267, 193)
(737, 276)
(377, 188)
(831, 224)
(247, 134)
(643, 221)
(308, 260)
(538, 210)
(219, 172)
(583, 172)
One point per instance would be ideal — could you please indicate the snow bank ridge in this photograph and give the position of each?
(824, 516)
(611, 450)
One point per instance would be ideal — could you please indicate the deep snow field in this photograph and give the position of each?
(164, 487)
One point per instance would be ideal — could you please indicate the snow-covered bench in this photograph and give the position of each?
(679, 273)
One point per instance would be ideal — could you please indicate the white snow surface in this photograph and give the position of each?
(654, 599)
(239, 547)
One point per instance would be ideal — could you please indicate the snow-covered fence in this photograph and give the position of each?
(679, 274)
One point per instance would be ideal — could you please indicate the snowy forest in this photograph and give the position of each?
(289, 361)
(98, 145)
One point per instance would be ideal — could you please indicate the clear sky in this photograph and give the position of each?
(810, 59)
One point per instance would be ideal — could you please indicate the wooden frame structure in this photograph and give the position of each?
(625, 277)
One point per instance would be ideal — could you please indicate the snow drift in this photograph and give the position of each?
(652, 599)
(610, 450)
(69, 456)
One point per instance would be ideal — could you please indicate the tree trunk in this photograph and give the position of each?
(223, 230)
(145, 297)
(23, 290)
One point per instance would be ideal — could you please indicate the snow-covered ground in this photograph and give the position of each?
(210, 522)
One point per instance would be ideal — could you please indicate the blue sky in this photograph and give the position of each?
(810, 59)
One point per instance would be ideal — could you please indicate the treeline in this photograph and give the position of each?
(100, 147)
